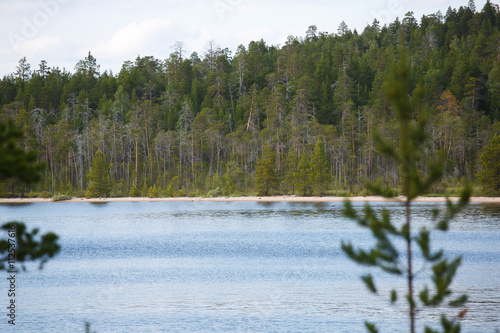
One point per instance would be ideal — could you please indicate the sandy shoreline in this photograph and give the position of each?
(261, 199)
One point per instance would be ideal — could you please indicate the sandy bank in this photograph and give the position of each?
(261, 199)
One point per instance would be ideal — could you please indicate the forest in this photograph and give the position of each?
(292, 119)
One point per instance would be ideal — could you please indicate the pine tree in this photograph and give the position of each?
(384, 254)
(490, 163)
(319, 168)
(494, 90)
(303, 177)
(98, 177)
(265, 178)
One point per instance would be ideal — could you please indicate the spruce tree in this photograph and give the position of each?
(98, 177)
(490, 163)
(265, 178)
(385, 254)
(319, 168)
(494, 90)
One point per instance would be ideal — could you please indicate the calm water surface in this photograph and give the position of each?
(232, 267)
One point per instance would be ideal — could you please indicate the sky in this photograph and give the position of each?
(63, 32)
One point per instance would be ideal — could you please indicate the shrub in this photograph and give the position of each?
(214, 193)
(61, 197)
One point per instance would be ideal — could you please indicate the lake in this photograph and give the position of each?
(234, 267)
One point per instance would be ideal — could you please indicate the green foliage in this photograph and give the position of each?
(61, 197)
(14, 161)
(371, 327)
(194, 118)
(489, 177)
(266, 179)
(215, 193)
(154, 191)
(385, 254)
(304, 177)
(134, 192)
(291, 165)
(494, 90)
(99, 177)
(29, 245)
(169, 193)
(320, 170)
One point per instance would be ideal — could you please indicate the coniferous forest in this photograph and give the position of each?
(297, 118)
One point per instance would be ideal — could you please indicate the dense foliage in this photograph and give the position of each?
(200, 124)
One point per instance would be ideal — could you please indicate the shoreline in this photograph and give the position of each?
(282, 198)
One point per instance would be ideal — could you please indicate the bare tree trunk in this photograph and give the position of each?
(251, 110)
(147, 143)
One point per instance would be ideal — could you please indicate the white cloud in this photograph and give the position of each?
(135, 38)
(35, 47)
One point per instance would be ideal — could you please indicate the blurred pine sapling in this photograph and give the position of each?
(385, 255)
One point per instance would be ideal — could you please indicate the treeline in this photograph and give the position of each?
(209, 124)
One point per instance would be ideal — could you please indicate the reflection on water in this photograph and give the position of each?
(97, 203)
(241, 266)
(490, 210)
(16, 204)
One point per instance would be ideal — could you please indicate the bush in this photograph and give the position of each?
(154, 192)
(194, 193)
(170, 192)
(61, 197)
(214, 193)
(135, 192)
(342, 193)
(363, 193)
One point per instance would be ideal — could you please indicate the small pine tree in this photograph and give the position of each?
(265, 177)
(319, 168)
(303, 177)
(99, 177)
(169, 193)
(134, 192)
(385, 255)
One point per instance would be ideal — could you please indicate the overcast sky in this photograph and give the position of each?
(62, 32)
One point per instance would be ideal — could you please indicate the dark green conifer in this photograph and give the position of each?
(304, 177)
(490, 163)
(98, 177)
(266, 179)
(319, 168)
